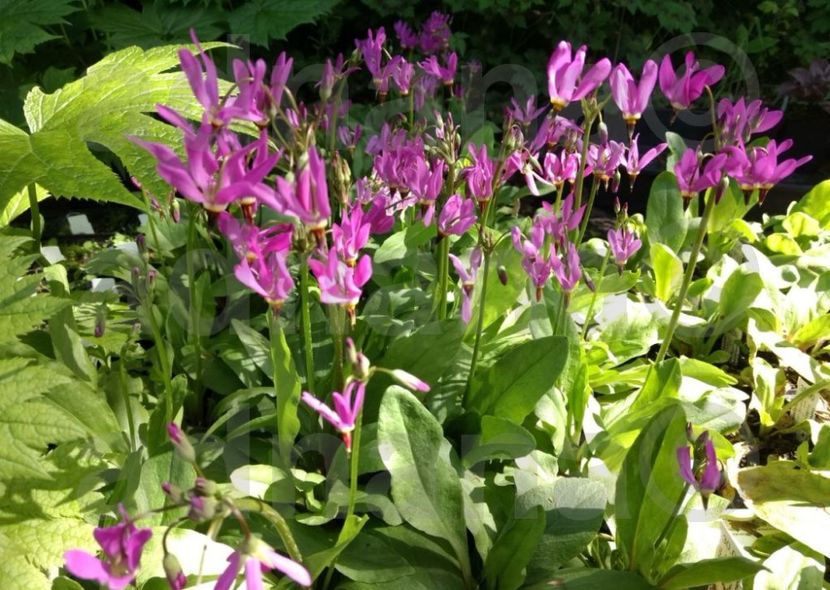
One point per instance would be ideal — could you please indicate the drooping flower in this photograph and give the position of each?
(567, 269)
(634, 163)
(351, 234)
(406, 36)
(435, 33)
(457, 216)
(249, 241)
(604, 159)
(425, 185)
(695, 174)
(256, 557)
(249, 77)
(552, 130)
(763, 170)
(558, 224)
(740, 121)
(341, 284)
(121, 545)
(524, 114)
(445, 73)
(623, 243)
(709, 479)
(267, 276)
(279, 78)
(468, 281)
(307, 197)
(347, 407)
(566, 81)
(536, 257)
(631, 98)
(480, 174)
(683, 90)
(402, 75)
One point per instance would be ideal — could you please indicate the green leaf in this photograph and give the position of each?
(104, 107)
(263, 21)
(649, 487)
(288, 387)
(167, 467)
(790, 569)
(816, 204)
(499, 439)
(22, 22)
(813, 331)
(591, 579)
(428, 352)
(512, 386)
(665, 219)
(738, 293)
(668, 271)
(513, 549)
(19, 204)
(425, 486)
(791, 499)
(709, 571)
(159, 23)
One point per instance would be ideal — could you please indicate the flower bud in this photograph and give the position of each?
(603, 133)
(202, 508)
(173, 571)
(175, 211)
(141, 243)
(180, 442)
(615, 182)
(205, 487)
(409, 380)
(502, 272)
(721, 189)
(172, 491)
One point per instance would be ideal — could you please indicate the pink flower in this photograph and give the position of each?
(565, 80)
(630, 98)
(435, 33)
(763, 169)
(121, 544)
(406, 36)
(556, 169)
(524, 114)
(709, 479)
(551, 130)
(261, 559)
(480, 174)
(623, 243)
(402, 75)
(694, 175)
(445, 73)
(425, 184)
(279, 77)
(559, 224)
(634, 164)
(351, 234)
(739, 121)
(267, 276)
(347, 407)
(307, 197)
(340, 284)
(683, 90)
(536, 257)
(468, 281)
(567, 269)
(604, 159)
(249, 241)
(457, 216)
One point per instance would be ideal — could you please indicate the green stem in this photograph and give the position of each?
(590, 312)
(586, 216)
(164, 361)
(687, 278)
(479, 325)
(122, 378)
(34, 206)
(194, 308)
(443, 276)
(275, 518)
(669, 524)
(305, 311)
(583, 160)
(411, 109)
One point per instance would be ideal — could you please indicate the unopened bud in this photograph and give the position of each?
(181, 443)
(615, 182)
(175, 211)
(409, 380)
(141, 244)
(205, 487)
(502, 272)
(603, 133)
(721, 189)
(172, 491)
(173, 571)
(202, 508)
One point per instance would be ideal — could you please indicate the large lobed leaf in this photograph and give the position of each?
(22, 22)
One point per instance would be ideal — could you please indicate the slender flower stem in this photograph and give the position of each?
(194, 308)
(687, 278)
(305, 311)
(579, 181)
(587, 215)
(589, 314)
(479, 325)
(164, 361)
(255, 505)
(443, 276)
(669, 523)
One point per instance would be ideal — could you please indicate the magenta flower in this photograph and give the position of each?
(763, 169)
(262, 559)
(709, 479)
(351, 234)
(524, 114)
(631, 98)
(739, 121)
(480, 174)
(341, 284)
(121, 544)
(566, 82)
(559, 224)
(250, 242)
(425, 185)
(683, 90)
(251, 99)
(457, 216)
(435, 33)
(445, 73)
(604, 159)
(551, 130)
(307, 197)
(536, 257)
(406, 36)
(347, 407)
(402, 75)
(694, 174)
(623, 243)
(567, 269)
(468, 281)
(634, 164)
(267, 276)
(279, 78)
